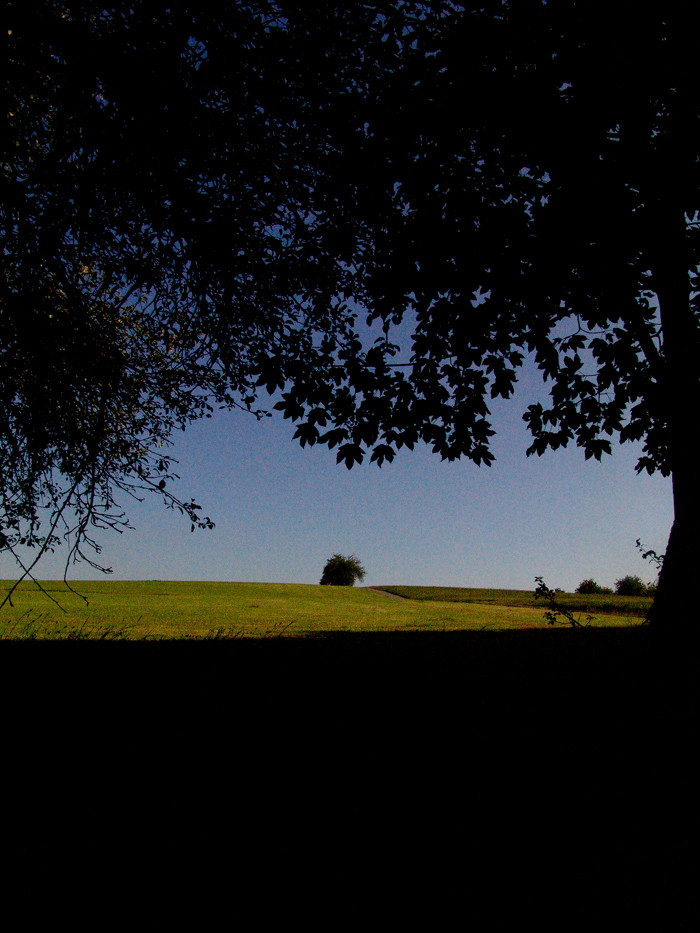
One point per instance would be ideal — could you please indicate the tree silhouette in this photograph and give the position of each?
(196, 203)
(630, 585)
(543, 161)
(342, 571)
(589, 586)
(166, 241)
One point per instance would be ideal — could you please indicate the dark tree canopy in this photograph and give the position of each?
(340, 570)
(204, 205)
(631, 585)
(170, 238)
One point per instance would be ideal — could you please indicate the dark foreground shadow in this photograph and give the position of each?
(548, 774)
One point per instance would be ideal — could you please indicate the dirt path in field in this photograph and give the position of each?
(373, 589)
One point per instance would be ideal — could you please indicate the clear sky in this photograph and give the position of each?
(281, 511)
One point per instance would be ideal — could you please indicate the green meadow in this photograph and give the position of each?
(160, 610)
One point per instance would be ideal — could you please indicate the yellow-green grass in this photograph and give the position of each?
(599, 604)
(139, 610)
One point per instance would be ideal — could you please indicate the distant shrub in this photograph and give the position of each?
(342, 571)
(591, 588)
(588, 587)
(631, 586)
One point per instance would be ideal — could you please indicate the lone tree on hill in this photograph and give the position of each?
(197, 199)
(342, 571)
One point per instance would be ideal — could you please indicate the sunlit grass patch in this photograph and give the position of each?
(156, 610)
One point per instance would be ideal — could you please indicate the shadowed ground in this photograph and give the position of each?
(535, 772)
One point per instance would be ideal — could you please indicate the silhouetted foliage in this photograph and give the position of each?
(173, 238)
(556, 613)
(205, 204)
(650, 555)
(657, 560)
(342, 571)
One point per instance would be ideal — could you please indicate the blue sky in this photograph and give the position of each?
(281, 511)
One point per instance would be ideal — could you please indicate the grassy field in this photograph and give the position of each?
(139, 610)
(605, 605)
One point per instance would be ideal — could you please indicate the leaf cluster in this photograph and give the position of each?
(556, 613)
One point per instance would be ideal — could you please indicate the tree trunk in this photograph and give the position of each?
(675, 608)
